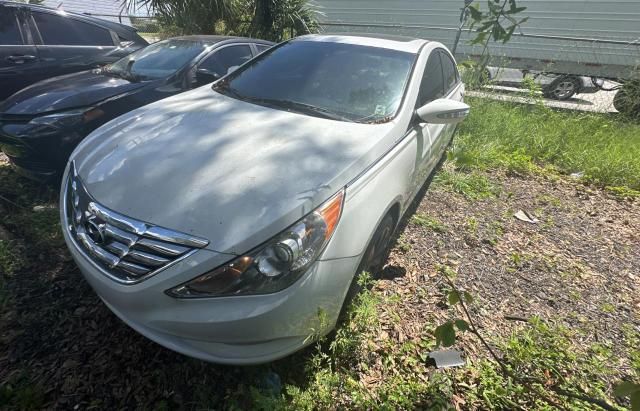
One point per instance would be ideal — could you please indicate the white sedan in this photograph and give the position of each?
(229, 223)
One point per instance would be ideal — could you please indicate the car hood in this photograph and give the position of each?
(67, 92)
(219, 168)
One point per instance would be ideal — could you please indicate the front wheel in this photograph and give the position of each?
(374, 257)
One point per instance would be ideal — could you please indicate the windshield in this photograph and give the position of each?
(158, 60)
(334, 80)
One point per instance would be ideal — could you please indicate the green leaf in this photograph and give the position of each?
(468, 298)
(509, 34)
(498, 32)
(453, 297)
(626, 388)
(462, 325)
(476, 14)
(480, 38)
(445, 334)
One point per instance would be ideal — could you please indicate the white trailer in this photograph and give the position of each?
(594, 38)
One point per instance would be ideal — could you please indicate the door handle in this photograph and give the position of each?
(21, 59)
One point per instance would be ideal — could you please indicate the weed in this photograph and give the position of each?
(427, 221)
(623, 192)
(11, 259)
(608, 308)
(546, 199)
(472, 185)
(472, 225)
(403, 244)
(525, 138)
(19, 394)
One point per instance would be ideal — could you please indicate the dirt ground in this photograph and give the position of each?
(579, 265)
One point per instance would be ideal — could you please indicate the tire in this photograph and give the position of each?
(562, 88)
(374, 257)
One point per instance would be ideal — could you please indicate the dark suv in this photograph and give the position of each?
(38, 42)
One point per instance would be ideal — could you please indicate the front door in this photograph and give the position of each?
(18, 55)
(431, 88)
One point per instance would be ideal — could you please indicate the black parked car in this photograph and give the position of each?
(38, 42)
(42, 124)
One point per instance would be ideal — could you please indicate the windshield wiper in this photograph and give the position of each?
(121, 74)
(223, 87)
(301, 108)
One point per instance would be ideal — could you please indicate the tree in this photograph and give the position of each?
(268, 19)
(188, 16)
(278, 19)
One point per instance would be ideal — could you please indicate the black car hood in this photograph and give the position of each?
(70, 91)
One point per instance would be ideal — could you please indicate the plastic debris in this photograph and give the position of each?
(526, 217)
(447, 358)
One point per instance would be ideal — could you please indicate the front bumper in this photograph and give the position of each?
(229, 330)
(40, 157)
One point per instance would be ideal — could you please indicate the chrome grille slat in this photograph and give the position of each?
(124, 249)
(117, 220)
(121, 235)
(163, 234)
(146, 258)
(102, 255)
(132, 268)
(166, 249)
(117, 248)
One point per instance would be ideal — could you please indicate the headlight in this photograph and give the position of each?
(273, 266)
(67, 119)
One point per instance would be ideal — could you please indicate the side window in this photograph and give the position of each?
(58, 30)
(432, 86)
(9, 31)
(450, 72)
(262, 48)
(220, 61)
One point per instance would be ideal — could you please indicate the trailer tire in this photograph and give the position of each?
(562, 88)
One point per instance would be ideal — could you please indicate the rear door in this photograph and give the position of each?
(18, 55)
(67, 45)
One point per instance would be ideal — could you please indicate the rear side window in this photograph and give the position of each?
(432, 86)
(9, 31)
(58, 30)
(262, 48)
(450, 72)
(220, 61)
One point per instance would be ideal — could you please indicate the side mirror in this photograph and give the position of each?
(204, 76)
(232, 69)
(443, 111)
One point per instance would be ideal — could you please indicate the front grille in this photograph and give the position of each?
(124, 249)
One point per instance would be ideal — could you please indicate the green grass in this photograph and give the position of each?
(472, 185)
(426, 221)
(524, 138)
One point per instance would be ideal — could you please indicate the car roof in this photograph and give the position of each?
(408, 44)
(214, 39)
(105, 23)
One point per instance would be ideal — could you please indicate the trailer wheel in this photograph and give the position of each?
(624, 100)
(562, 88)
